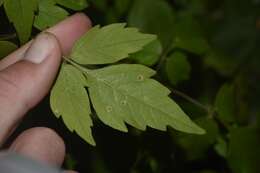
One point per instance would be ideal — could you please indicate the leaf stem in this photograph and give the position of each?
(78, 66)
(191, 100)
(212, 114)
(163, 58)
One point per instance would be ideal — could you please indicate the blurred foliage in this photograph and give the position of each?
(177, 68)
(208, 53)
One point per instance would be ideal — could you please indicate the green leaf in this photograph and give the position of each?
(109, 44)
(1, 2)
(153, 16)
(6, 47)
(177, 68)
(243, 155)
(149, 55)
(99, 4)
(221, 147)
(76, 5)
(124, 93)
(196, 147)
(69, 99)
(21, 14)
(225, 103)
(195, 7)
(221, 62)
(49, 14)
(111, 16)
(49, 2)
(121, 6)
(188, 35)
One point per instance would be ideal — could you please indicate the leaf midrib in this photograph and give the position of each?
(112, 57)
(119, 43)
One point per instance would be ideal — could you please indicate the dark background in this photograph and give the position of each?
(226, 50)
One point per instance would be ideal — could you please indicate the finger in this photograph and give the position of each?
(70, 30)
(41, 144)
(26, 82)
(67, 32)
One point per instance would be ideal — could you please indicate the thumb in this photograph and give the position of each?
(25, 83)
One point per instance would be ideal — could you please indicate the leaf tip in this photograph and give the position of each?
(92, 143)
(199, 131)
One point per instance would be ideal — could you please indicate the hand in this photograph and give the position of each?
(26, 76)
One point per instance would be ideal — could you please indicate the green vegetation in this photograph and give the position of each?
(204, 52)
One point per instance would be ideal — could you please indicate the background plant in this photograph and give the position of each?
(207, 53)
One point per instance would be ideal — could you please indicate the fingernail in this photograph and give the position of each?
(41, 48)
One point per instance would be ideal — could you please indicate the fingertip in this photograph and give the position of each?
(70, 30)
(41, 144)
(84, 19)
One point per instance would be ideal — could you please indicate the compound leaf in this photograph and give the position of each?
(69, 99)
(124, 93)
(21, 14)
(109, 44)
(49, 15)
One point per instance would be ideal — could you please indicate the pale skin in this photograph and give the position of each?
(25, 78)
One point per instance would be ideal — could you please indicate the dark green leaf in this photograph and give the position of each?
(195, 147)
(225, 103)
(177, 68)
(111, 16)
(153, 16)
(76, 5)
(6, 47)
(196, 7)
(149, 55)
(222, 63)
(243, 154)
(21, 14)
(188, 35)
(99, 4)
(221, 147)
(49, 14)
(236, 39)
(121, 6)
